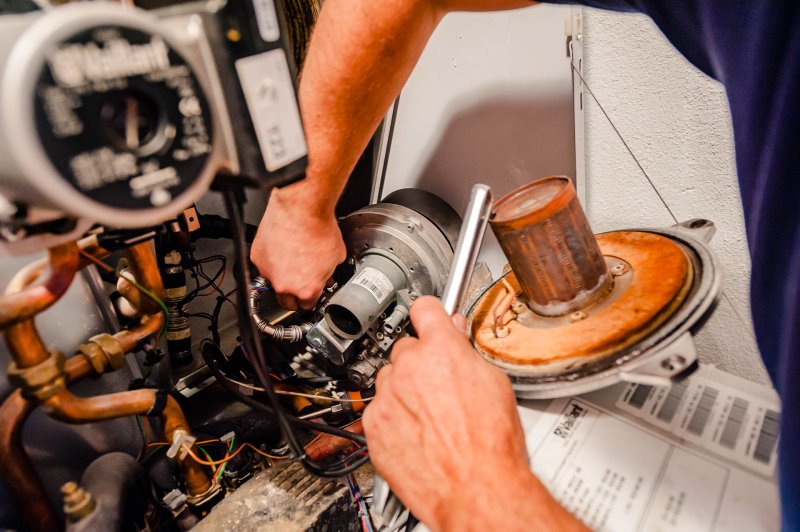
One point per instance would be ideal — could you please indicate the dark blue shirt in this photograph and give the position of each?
(753, 48)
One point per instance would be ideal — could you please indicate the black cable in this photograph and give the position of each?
(208, 350)
(197, 271)
(249, 335)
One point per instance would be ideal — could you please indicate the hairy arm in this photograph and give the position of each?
(361, 54)
(360, 57)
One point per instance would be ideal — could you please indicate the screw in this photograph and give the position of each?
(502, 332)
(673, 363)
(619, 269)
(379, 335)
(578, 315)
(518, 307)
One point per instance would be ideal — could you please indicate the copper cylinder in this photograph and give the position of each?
(550, 246)
(326, 445)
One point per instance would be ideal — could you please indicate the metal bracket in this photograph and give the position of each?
(672, 363)
(698, 228)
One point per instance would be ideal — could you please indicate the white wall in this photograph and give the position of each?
(489, 101)
(676, 121)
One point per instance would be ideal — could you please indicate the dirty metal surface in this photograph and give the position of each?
(286, 498)
(659, 277)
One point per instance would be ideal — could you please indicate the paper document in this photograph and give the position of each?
(697, 456)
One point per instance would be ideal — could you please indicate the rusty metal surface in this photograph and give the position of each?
(22, 301)
(285, 498)
(661, 277)
(547, 239)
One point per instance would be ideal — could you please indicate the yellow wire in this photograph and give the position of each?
(298, 394)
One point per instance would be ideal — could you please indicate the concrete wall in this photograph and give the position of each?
(676, 122)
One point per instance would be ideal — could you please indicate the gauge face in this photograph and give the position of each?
(122, 117)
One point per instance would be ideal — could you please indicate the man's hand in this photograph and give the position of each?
(297, 247)
(444, 432)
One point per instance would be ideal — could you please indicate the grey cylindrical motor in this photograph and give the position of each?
(401, 249)
(365, 296)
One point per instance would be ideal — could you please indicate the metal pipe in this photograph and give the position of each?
(469, 244)
(291, 333)
(327, 445)
(27, 350)
(553, 253)
(16, 469)
(67, 407)
(144, 268)
(17, 304)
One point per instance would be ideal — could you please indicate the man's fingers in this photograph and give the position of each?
(428, 316)
(309, 301)
(383, 374)
(287, 301)
(400, 347)
(460, 323)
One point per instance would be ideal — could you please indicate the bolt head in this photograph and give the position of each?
(578, 315)
(618, 270)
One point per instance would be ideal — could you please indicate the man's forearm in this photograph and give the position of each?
(361, 54)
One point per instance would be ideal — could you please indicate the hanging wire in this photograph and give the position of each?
(745, 323)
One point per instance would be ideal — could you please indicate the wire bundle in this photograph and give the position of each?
(250, 338)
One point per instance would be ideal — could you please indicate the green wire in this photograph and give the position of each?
(155, 298)
(222, 467)
(213, 468)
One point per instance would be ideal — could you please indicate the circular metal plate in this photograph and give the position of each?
(701, 294)
(659, 274)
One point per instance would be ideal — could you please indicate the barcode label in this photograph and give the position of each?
(767, 438)
(376, 282)
(733, 425)
(725, 421)
(670, 405)
(703, 411)
(640, 395)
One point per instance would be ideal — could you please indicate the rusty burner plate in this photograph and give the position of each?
(655, 278)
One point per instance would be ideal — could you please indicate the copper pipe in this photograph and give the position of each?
(17, 305)
(25, 345)
(16, 469)
(72, 409)
(327, 444)
(144, 267)
(129, 340)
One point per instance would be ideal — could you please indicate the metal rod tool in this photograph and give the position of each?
(473, 228)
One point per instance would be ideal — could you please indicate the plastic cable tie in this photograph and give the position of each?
(181, 442)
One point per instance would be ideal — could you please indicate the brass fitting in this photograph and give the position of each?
(41, 381)
(103, 352)
(78, 503)
(202, 498)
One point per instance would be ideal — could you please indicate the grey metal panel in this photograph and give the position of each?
(490, 101)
